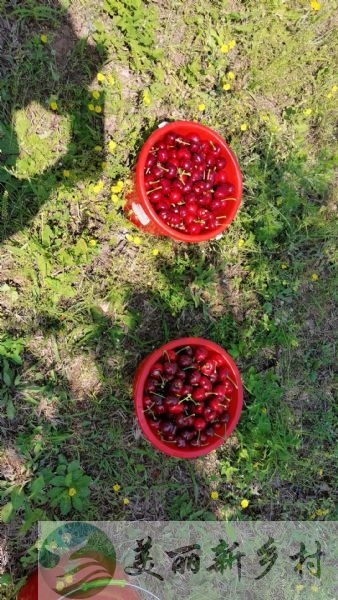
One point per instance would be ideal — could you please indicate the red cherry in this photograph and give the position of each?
(208, 367)
(209, 414)
(219, 390)
(184, 360)
(186, 390)
(170, 368)
(176, 386)
(201, 354)
(156, 370)
(194, 377)
(199, 409)
(199, 424)
(194, 229)
(150, 385)
(205, 383)
(198, 394)
(219, 360)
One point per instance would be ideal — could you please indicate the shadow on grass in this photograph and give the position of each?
(60, 69)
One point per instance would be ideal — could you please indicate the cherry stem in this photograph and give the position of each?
(181, 349)
(154, 190)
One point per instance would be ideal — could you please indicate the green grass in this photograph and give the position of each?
(82, 300)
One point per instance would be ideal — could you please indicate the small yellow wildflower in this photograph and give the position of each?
(314, 277)
(232, 44)
(110, 79)
(314, 588)
(334, 89)
(244, 127)
(96, 94)
(264, 410)
(111, 146)
(146, 98)
(120, 184)
(329, 95)
(264, 118)
(137, 240)
(69, 578)
(91, 107)
(307, 112)
(116, 487)
(299, 587)
(98, 187)
(66, 173)
(92, 243)
(315, 5)
(53, 105)
(125, 501)
(43, 38)
(226, 87)
(240, 243)
(98, 148)
(104, 165)
(114, 198)
(59, 586)
(244, 503)
(231, 75)
(320, 472)
(117, 188)
(129, 237)
(72, 492)
(224, 48)
(100, 77)
(214, 495)
(283, 266)
(155, 251)
(98, 109)
(201, 107)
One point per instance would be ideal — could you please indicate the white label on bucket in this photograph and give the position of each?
(218, 237)
(140, 214)
(162, 124)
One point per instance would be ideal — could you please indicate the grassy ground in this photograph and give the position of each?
(84, 296)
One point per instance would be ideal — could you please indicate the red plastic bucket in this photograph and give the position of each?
(140, 210)
(141, 375)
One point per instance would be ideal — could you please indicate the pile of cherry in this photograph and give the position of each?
(187, 183)
(186, 396)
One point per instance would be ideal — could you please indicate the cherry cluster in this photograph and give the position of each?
(187, 183)
(187, 395)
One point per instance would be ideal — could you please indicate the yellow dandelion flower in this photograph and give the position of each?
(116, 487)
(91, 107)
(110, 79)
(224, 48)
(283, 266)
(240, 243)
(104, 165)
(98, 187)
(244, 127)
(146, 98)
(72, 492)
(329, 95)
(226, 87)
(96, 94)
(69, 579)
(53, 105)
(114, 198)
(59, 586)
(307, 112)
(314, 277)
(334, 89)
(120, 184)
(125, 501)
(314, 588)
(98, 109)
(137, 240)
(100, 77)
(320, 472)
(129, 237)
(155, 251)
(231, 75)
(299, 587)
(43, 38)
(264, 118)
(66, 173)
(201, 107)
(244, 503)
(315, 5)
(98, 148)
(232, 44)
(111, 146)
(214, 495)
(92, 243)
